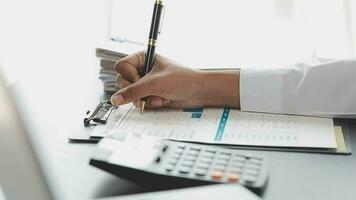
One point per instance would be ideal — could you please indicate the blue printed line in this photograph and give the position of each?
(194, 110)
(196, 115)
(222, 124)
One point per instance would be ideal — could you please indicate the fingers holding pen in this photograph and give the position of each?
(144, 87)
(130, 66)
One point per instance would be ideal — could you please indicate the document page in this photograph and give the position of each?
(224, 126)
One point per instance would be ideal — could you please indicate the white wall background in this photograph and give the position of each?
(199, 33)
(34, 34)
(233, 33)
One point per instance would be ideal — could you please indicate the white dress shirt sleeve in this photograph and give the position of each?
(327, 89)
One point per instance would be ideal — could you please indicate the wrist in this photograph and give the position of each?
(219, 88)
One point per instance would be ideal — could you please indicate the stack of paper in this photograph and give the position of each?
(109, 54)
(107, 73)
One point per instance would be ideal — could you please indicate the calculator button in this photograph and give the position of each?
(179, 151)
(239, 159)
(210, 150)
(208, 155)
(187, 164)
(184, 170)
(206, 160)
(221, 162)
(235, 171)
(232, 178)
(220, 167)
(195, 148)
(237, 162)
(226, 153)
(250, 179)
(193, 153)
(190, 158)
(251, 172)
(200, 172)
(236, 168)
(217, 175)
(175, 157)
(203, 166)
(173, 162)
(252, 167)
(256, 158)
(169, 168)
(236, 165)
(223, 157)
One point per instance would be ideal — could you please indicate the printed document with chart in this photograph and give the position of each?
(222, 126)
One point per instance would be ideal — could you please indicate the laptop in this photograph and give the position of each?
(21, 175)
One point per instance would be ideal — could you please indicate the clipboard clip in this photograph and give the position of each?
(100, 114)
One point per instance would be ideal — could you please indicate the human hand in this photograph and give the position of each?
(170, 84)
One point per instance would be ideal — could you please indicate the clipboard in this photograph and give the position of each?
(102, 112)
(342, 135)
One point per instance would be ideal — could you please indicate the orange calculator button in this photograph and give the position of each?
(216, 175)
(233, 178)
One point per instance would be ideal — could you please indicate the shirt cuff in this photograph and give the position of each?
(261, 90)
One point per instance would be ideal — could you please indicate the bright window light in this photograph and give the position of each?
(225, 33)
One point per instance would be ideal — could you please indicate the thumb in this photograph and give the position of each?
(133, 92)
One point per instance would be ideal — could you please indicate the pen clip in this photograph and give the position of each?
(162, 18)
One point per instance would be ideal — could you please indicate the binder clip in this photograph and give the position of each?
(100, 115)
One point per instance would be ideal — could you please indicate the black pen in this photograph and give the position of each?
(152, 40)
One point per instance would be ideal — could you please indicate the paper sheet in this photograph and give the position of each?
(223, 126)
